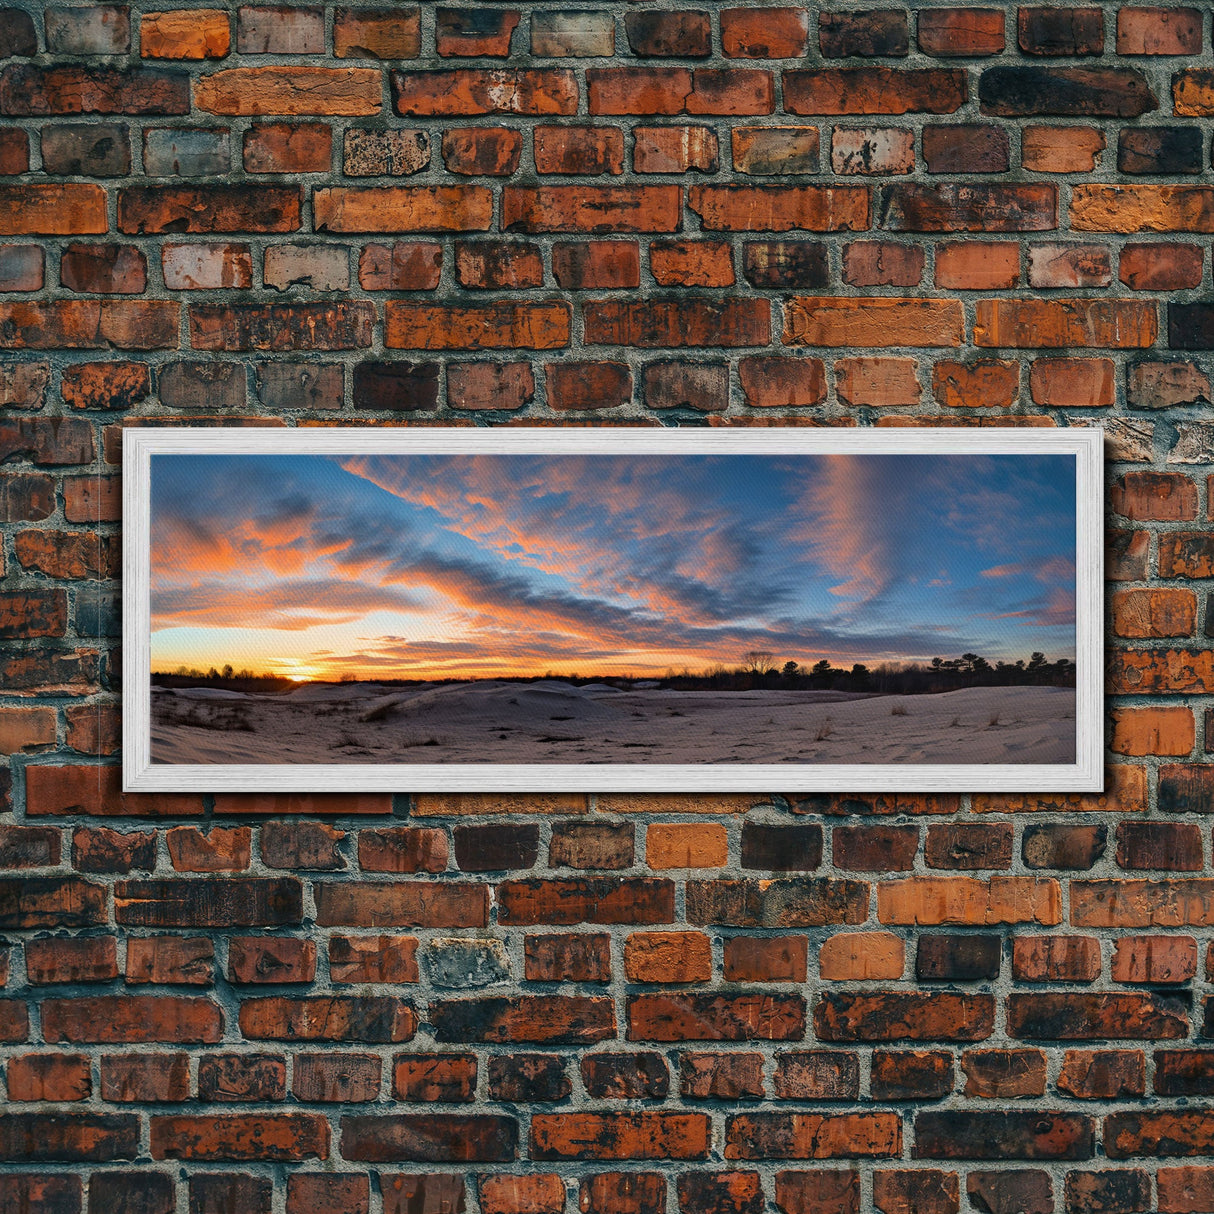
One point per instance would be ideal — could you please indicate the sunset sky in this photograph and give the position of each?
(425, 566)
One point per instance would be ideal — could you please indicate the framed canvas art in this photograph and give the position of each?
(651, 609)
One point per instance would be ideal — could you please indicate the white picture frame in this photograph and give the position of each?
(141, 446)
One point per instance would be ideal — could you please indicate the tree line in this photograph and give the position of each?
(761, 669)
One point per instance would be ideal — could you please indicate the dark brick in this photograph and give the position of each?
(397, 385)
(1056, 846)
(429, 1138)
(957, 958)
(785, 263)
(590, 845)
(962, 845)
(228, 1193)
(911, 1074)
(868, 34)
(528, 1077)
(1160, 150)
(639, 1076)
(781, 848)
(496, 848)
(966, 1134)
(1061, 31)
(685, 34)
(101, 149)
(1096, 92)
(1014, 1192)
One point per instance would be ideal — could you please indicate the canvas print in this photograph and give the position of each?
(588, 607)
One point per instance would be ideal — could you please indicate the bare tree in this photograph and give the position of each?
(759, 661)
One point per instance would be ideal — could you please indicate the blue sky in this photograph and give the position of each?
(425, 566)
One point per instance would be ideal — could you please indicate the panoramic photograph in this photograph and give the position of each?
(601, 608)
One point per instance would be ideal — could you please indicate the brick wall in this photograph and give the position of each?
(615, 1005)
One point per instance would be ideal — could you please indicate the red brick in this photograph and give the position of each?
(199, 33)
(703, 1016)
(240, 1137)
(766, 33)
(596, 264)
(288, 147)
(30, 91)
(277, 327)
(377, 959)
(373, 1018)
(873, 321)
(674, 149)
(434, 1077)
(978, 266)
(631, 1135)
(103, 269)
(573, 957)
(691, 263)
(1161, 267)
(919, 1190)
(587, 150)
(132, 1018)
(583, 385)
(431, 1138)
(1072, 382)
(1036, 323)
(222, 849)
(1153, 731)
(872, 150)
(322, 1193)
(208, 209)
(1143, 614)
(486, 32)
(1155, 496)
(877, 382)
(548, 1019)
(655, 323)
(499, 265)
(1155, 960)
(21, 268)
(683, 33)
(961, 32)
(14, 152)
(543, 1193)
(269, 959)
(1102, 1074)
(402, 209)
(482, 151)
(668, 957)
(169, 960)
(35, 1077)
(1055, 958)
(290, 90)
(496, 326)
(89, 324)
(468, 92)
(376, 33)
(874, 263)
(1159, 31)
(874, 90)
(984, 384)
(680, 90)
(795, 383)
(336, 1078)
(810, 208)
(807, 1135)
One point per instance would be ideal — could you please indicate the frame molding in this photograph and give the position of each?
(1085, 775)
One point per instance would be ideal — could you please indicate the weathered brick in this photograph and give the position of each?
(289, 90)
(874, 90)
